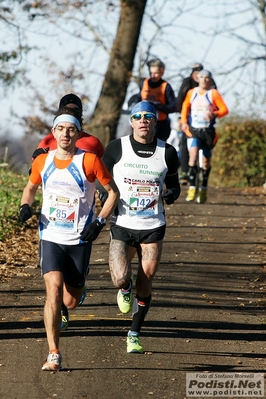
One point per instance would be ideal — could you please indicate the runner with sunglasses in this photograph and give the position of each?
(145, 171)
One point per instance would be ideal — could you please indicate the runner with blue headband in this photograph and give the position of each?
(143, 106)
(145, 171)
(68, 222)
(67, 118)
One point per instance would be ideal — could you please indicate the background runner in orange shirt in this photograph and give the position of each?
(200, 109)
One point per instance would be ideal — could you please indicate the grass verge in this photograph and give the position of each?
(11, 188)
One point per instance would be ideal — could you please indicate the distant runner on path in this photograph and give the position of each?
(200, 109)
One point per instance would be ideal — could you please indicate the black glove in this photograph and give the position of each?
(91, 232)
(25, 212)
(168, 196)
(103, 197)
(39, 151)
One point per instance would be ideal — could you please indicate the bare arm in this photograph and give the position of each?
(91, 232)
(111, 201)
(29, 193)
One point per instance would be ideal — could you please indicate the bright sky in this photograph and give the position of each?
(184, 40)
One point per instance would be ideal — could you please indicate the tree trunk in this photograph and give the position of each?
(103, 123)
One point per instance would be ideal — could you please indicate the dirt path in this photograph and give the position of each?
(207, 313)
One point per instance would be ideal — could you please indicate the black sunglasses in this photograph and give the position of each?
(147, 116)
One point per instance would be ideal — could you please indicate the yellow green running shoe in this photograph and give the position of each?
(125, 301)
(202, 198)
(133, 344)
(191, 194)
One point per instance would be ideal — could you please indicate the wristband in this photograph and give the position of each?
(101, 220)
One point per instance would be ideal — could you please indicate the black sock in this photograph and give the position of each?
(192, 175)
(205, 176)
(140, 309)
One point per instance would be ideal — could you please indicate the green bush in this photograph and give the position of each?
(11, 188)
(239, 158)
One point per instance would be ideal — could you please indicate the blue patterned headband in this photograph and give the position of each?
(143, 106)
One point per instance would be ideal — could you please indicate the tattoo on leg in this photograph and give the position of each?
(151, 252)
(119, 263)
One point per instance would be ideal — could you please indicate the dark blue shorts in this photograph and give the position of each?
(71, 260)
(136, 237)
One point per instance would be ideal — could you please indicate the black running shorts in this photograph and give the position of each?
(207, 136)
(136, 237)
(71, 260)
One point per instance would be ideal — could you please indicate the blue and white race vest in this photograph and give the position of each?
(201, 104)
(68, 201)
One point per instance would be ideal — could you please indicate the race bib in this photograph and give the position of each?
(143, 201)
(199, 117)
(62, 213)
